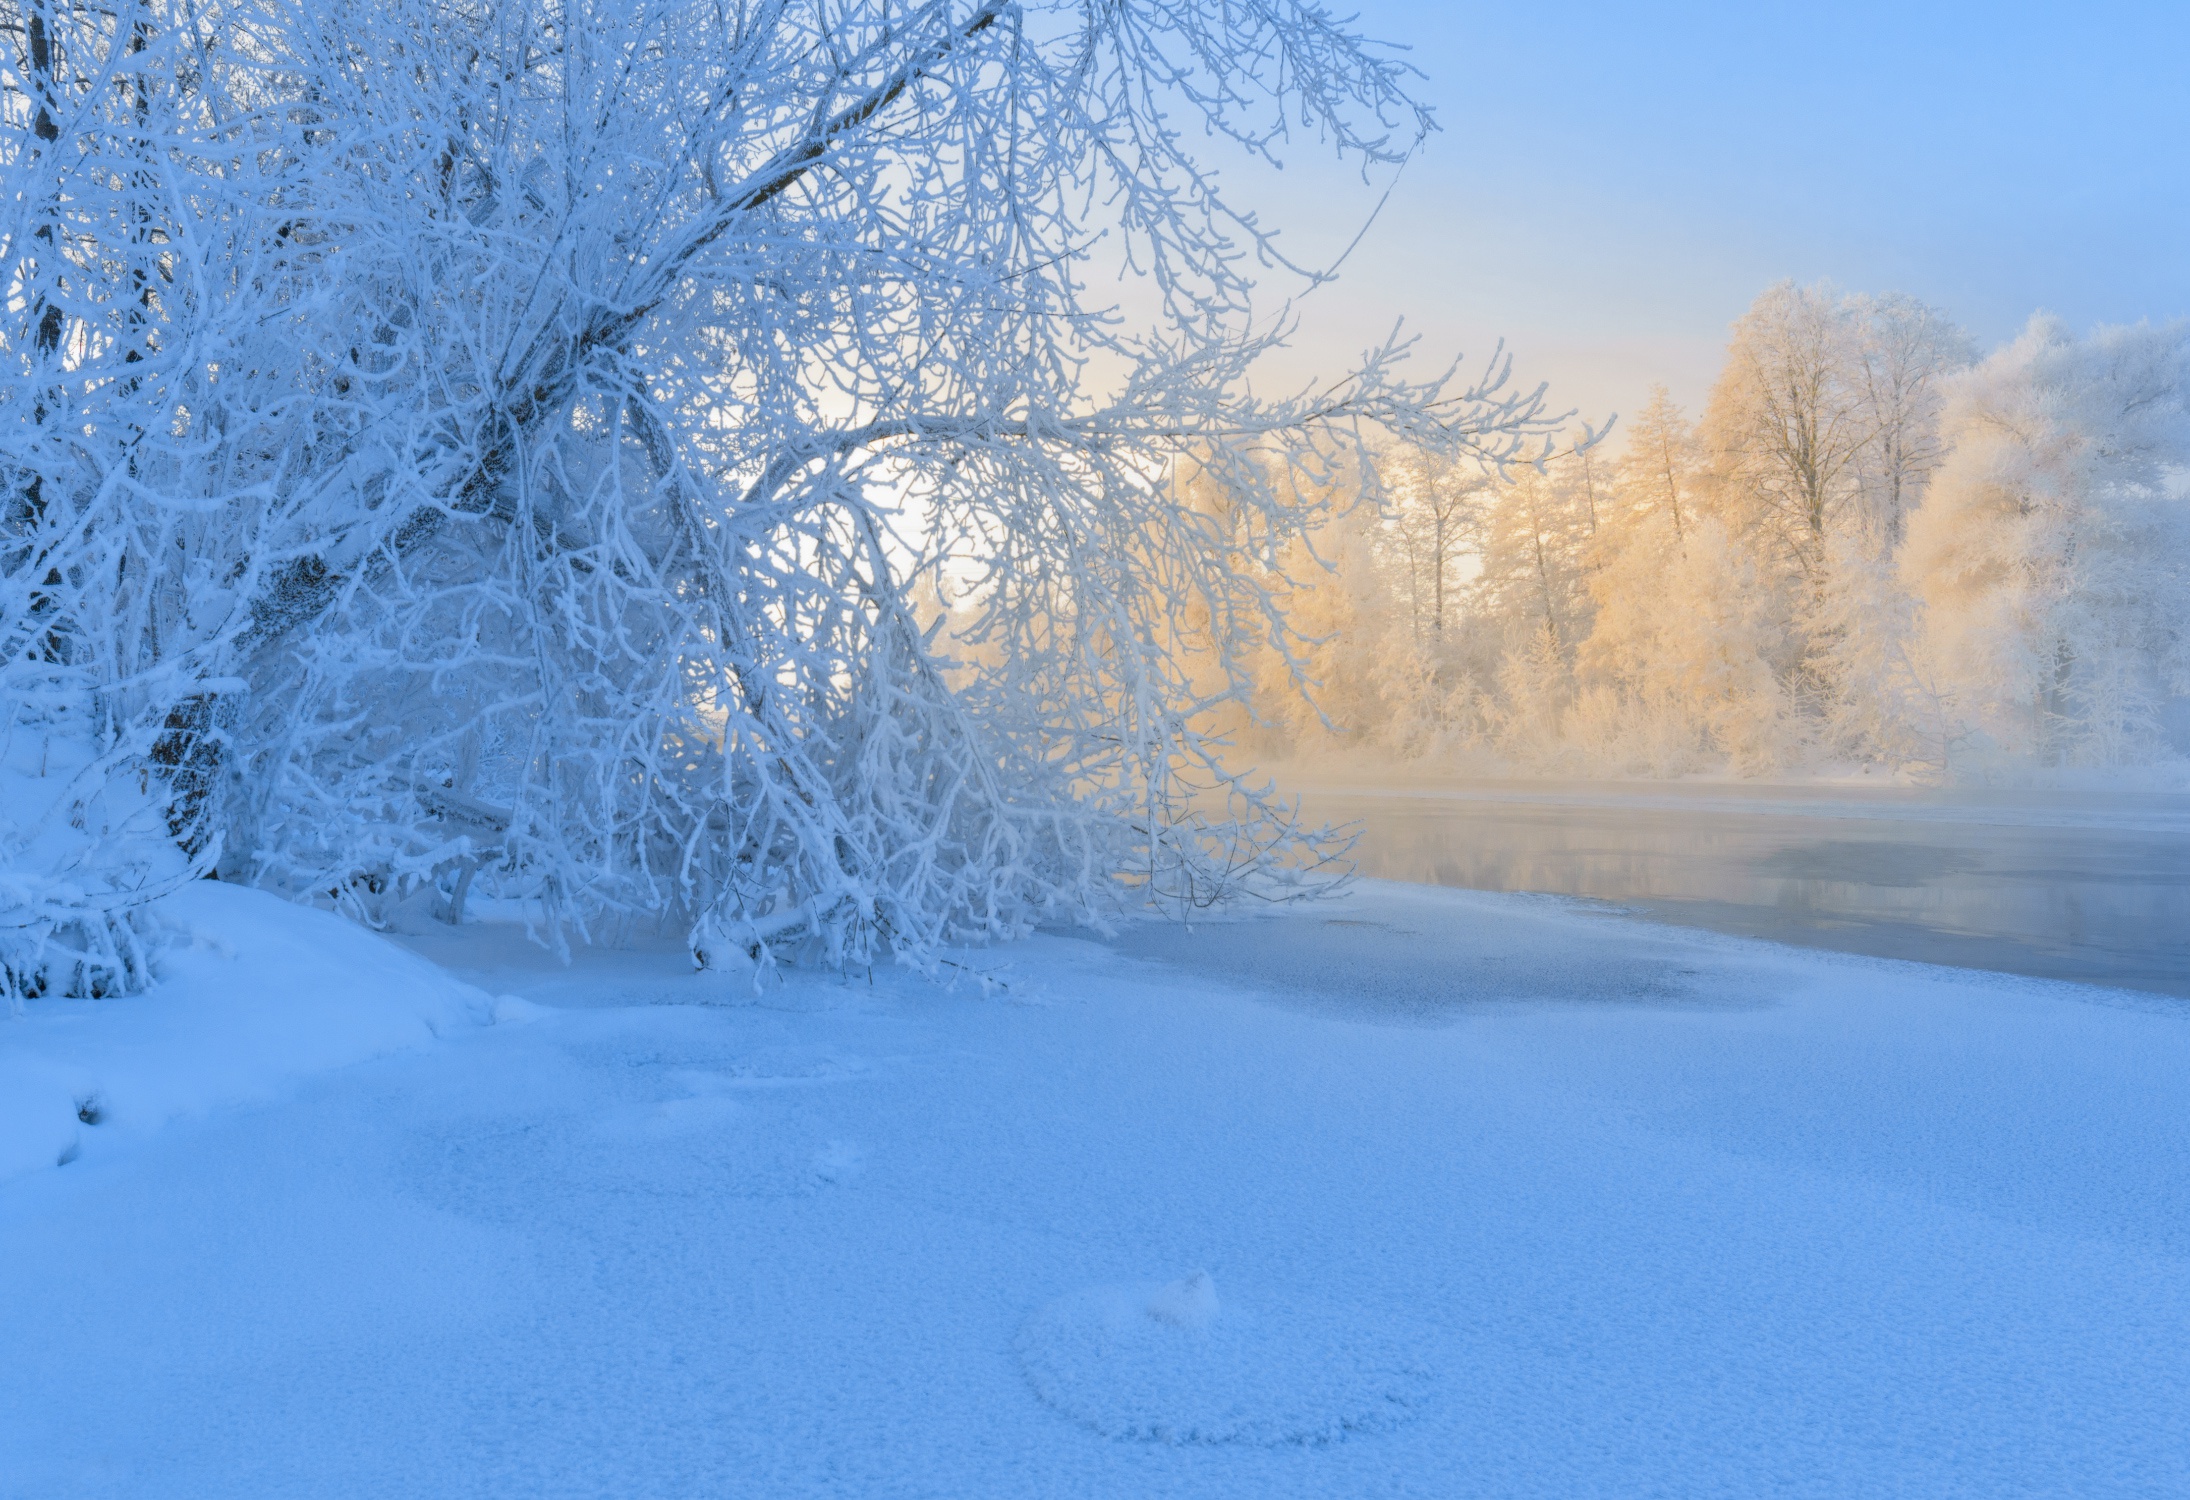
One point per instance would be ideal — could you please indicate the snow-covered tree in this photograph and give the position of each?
(1364, 605)
(1432, 511)
(1659, 465)
(1684, 660)
(1535, 546)
(1903, 353)
(512, 440)
(1785, 424)
(1824, 430)
(1534, 687)
(155, 295)
(2052, 556)
(1885, 699)
(1827, 417)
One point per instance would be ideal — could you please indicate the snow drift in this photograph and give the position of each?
(254, 994)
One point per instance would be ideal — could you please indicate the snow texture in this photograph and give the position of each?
(1430, 1192)
(1168, 1364)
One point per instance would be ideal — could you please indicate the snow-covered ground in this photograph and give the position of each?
(255, 994)
(1428, 1192)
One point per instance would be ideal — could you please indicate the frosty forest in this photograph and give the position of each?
(1875, 547)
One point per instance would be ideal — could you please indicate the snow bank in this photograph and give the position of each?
(253, 994)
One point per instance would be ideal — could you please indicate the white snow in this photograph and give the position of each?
(254, 994)
(1166, 1364)
(1429, 1192)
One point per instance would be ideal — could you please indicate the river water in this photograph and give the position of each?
(2079, 886)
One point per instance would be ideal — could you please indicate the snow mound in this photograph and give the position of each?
(1172, 1364)
(253, 994)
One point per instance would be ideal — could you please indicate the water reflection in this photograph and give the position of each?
(2089, 888)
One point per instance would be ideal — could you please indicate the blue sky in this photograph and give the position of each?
(1613, 184)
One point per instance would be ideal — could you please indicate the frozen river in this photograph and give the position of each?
(2086, 887)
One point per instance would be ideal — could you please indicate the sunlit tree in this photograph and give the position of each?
(1904, 353)
(1658, 467)
(2050, 555)
(1432, 513)
(1785, 422)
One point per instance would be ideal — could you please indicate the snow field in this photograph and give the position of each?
(1341, 1203)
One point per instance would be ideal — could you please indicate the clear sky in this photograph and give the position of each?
(1614, 183)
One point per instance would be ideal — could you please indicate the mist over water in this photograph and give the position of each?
(2079, 886)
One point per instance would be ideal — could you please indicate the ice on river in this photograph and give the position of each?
(2090, 886)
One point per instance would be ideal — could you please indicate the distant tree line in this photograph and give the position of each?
(1873, 548)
